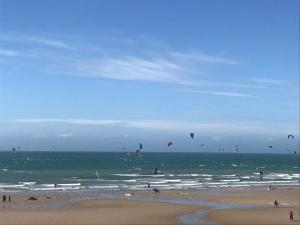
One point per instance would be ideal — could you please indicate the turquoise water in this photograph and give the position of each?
(39, 171)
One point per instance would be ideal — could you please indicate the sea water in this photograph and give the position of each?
(76, 171)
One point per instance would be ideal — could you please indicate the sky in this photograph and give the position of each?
(103, 75)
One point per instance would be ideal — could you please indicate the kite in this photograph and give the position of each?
(292, 136)
(141, 145)
(170, 143)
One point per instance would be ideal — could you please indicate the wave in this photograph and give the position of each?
(137, 175)
(26, 183)
(231, 180)
(105, 186)
(227, 175)
(11, 185)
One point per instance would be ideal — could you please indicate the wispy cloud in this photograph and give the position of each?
(167, 67)
(269, 81)
(164, 65)
(200, 57)
(221, 93)
(49, 42)
(175, 125)
(131, 68)
(27, 40)
(65, 135)
(72, 121)
(8, 52)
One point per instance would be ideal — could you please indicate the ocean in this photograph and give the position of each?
(77, 171)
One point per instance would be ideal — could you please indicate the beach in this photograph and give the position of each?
(101, 212)
(118, 188)
(226, 206)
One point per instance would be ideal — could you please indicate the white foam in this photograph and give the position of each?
(158, 182)
(228, 175)
(28, 183)
(126, 174)
(69, 185)
(11, 185)
(105, 186)
(232, 180)
(205, 175)
(273, 176)
(173, 181)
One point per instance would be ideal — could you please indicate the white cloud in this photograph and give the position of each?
(65, 135)
(217, 138)
(26, 39)
(132, 68)
(148, 64)
(8, 52)
(49, 42)
(72, 121)
(269, 81)
(167, 67)
(177, 126)
(200, 57)
(222, 93)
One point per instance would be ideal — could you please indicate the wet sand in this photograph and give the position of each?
(235, 206)
(258, 216)
(100, 212)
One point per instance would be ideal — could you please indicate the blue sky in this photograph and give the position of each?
(101, 75)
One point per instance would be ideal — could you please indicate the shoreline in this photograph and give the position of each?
(177, 207)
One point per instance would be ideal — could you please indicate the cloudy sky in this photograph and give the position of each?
(101, 75)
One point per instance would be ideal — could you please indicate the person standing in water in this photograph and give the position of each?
(261, 174)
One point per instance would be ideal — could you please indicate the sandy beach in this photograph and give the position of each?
(101, 212)
(254, 207)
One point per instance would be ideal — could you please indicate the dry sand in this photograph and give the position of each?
(261, 216)
(139, 212)
(264, 213)
(100, 212)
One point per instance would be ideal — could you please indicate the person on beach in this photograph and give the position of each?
(291, 216)
(270, 187)
(9, 198)
(156, 190)
(4, 198)
(276, 204)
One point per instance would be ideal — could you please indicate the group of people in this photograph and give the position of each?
(4, 198)
(291, 216)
